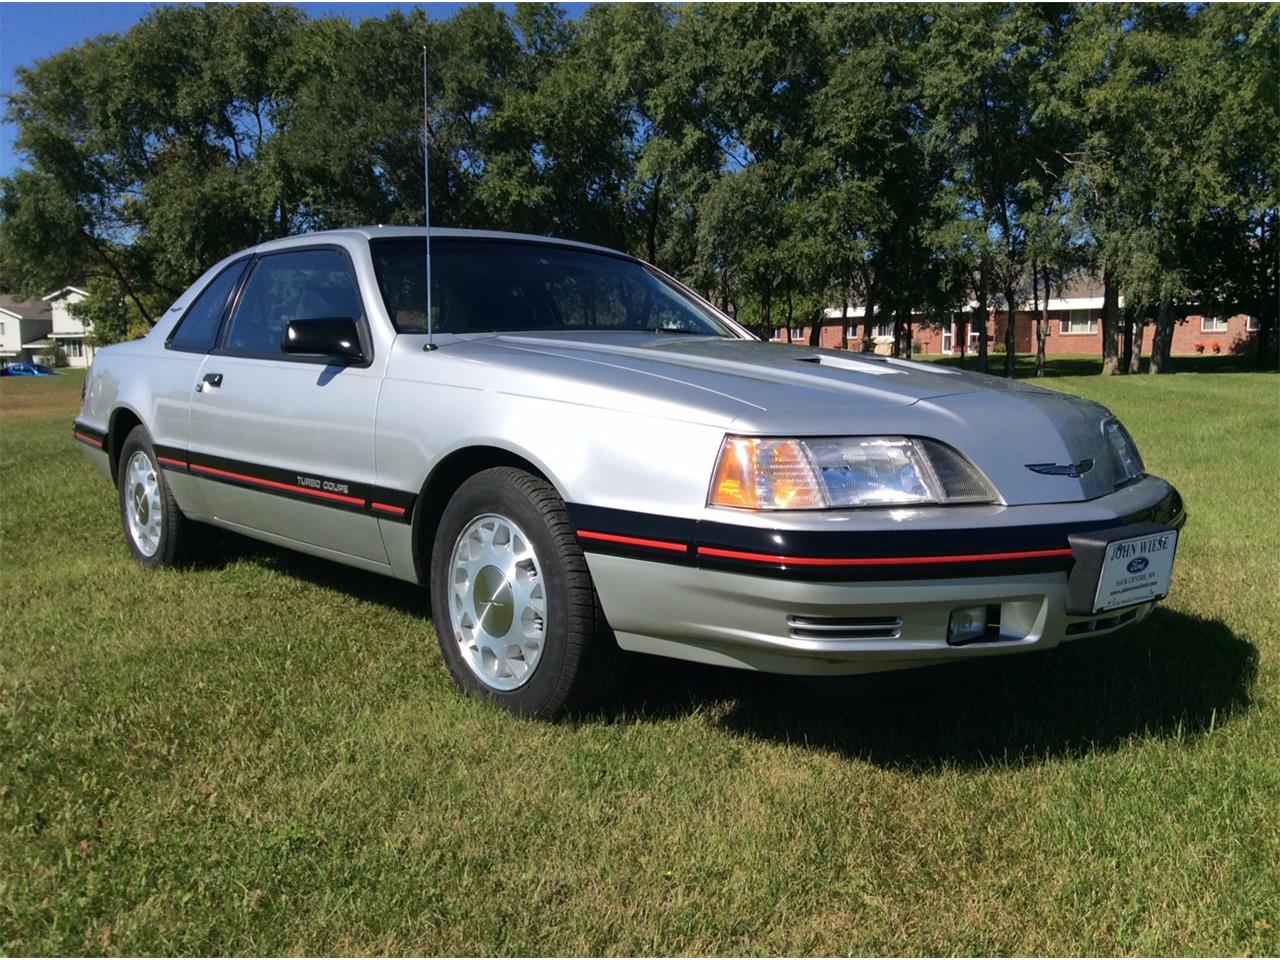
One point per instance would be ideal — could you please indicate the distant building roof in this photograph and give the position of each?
(28, 309)
(63, 291)
(1081, 286)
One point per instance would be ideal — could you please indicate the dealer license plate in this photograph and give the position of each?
(1136, 570)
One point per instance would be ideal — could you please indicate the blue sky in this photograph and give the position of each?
(32, 31)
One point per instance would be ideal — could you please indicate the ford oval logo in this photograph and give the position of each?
(1137, 564)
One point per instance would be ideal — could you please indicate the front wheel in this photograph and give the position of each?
(517, 616)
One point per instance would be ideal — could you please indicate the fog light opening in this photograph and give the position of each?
(973, 624)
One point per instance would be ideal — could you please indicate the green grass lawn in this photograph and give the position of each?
(265, 755)
(1087, 365)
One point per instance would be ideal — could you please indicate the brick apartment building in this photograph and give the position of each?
(1075, 327)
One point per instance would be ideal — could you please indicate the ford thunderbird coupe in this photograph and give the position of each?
(583, 458)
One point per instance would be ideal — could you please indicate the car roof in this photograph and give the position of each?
(381, 232)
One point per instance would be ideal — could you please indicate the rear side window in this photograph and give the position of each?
(198, 328)
(296, 285)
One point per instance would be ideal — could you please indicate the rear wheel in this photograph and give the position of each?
(157, 532)
(515, 610)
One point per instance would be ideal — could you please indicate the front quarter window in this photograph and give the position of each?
(491, 286)
(198, 329)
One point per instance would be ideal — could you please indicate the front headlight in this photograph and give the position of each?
(1126, 451)
(815, 474)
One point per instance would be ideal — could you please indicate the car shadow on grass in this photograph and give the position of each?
(1172, 676)
(225, 547)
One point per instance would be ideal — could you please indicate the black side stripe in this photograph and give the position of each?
(382, 502)
(89, 436)
(815, 555)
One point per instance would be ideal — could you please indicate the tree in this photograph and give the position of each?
(983, 58)
(782, 158)
(147, 154)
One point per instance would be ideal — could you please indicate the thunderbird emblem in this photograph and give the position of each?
(1073, 470)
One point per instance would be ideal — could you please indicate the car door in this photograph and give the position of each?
(170, 381)
(283, 444)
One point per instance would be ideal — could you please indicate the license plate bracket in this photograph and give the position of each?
(1120, 567)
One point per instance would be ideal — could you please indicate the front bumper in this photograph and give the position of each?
(838, 612)
(787, 626)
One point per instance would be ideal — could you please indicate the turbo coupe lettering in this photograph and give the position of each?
(585, 459)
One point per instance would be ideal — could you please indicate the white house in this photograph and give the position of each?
(68, 331)
(24, 328)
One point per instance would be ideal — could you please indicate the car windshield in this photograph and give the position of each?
(489, 286)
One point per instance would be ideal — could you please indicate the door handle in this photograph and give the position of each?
(209, 379)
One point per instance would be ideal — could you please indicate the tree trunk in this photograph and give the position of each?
(962, 332)
(981, 316)
(910, 337)
(1110, 324)
(1042, 324)
(766, 304)
(1010, 332)
(1135, 356)
(651, 240)
(1126, 337)
(868, 322)
(1162, 342)
(897, 333)
(844, 323)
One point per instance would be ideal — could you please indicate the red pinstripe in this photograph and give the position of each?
(276, 485)
(878, 561)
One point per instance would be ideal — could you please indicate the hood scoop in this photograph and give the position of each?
(875, 366)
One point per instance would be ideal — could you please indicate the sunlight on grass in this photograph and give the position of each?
(265, 755)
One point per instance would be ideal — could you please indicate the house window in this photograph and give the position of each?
(797, 333)
(75, 348)
(1078, 322)
(1213, 324)
(1250, 325)
(878, 330)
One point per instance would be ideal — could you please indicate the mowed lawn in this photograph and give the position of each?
(265, 755)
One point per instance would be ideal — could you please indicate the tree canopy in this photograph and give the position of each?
(782, 158)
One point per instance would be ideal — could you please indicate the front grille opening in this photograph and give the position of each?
(844, 628)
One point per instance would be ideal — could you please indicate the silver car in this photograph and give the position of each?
(584, 458)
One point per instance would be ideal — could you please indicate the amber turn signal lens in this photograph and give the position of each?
(735, 482)
(765, 475)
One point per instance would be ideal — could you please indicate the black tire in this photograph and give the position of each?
(581, 666)
(179, 537)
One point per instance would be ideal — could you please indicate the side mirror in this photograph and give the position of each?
(335, 337)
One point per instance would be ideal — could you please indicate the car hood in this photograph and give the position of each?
(749, 374)
(774, 389)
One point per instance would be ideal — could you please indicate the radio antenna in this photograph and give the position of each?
(426, 191)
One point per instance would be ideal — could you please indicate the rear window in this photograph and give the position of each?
(486, 286)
